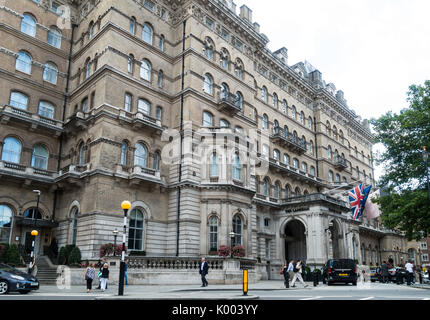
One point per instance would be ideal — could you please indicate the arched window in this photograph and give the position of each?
(237, 229)
(284, 106)
(224, 123)
(304, 167)
(336, 155)
(266, 187)
(286, 158)
(156, 164)
(144, 106)
(239, 102)
(91, 30)
(18, 100)
(28, 25)
(81, 154)
(208, 49)
(224, 93)
(329, 152)
(11, 151)
(140, 155)
(85, 104)
(264, 94)
(208, 84)
(275, 101)
(295, 163)
(213, 233)
(287, 191)
(161, 43)
(6, 215)
(23, 62)
(74, 217)
(297, 192)
(87, 68)
(311, 147)
(285, 131)
(145, 70)
(54, 37)
(33, 213)
(207, 119)
(237, 168)
(302, 118)
(147, 33)
(130, 63)
(224, 59)
(50, 72)
(160, 78)
(214, 169)
(135, 232)
(310, 123)
(40, 156)
(276, 126)
(330, 176)
(337, 178)
(293, 112)
(238, 69)
(312, 171)
(124, 149)
(276, 190)
(265, 122)
(132, 25)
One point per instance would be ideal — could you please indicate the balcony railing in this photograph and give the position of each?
(294, 172)
(340, 163)
(35, 120)
(229, 102)
(289, 140)
(24, 172)
(172, 263)
(316, 197)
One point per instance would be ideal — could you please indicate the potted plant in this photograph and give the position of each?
(238, 251)
(224, 251)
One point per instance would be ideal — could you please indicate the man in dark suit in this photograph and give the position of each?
(203, 271)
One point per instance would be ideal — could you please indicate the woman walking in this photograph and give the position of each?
(298, 274)
(104, 277)
(286, 275)
(90, 273)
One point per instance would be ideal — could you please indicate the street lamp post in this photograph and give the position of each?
(125, 205)
(115, 234)
(232, 234)
(34, 234)
(426, 158)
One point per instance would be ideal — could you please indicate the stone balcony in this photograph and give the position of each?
(138, 120)
(139, 174)
(32, 120)
(289, 141)
(340, 164)
(228, 103)
(317, 199)
(266, 200)
(28, 174)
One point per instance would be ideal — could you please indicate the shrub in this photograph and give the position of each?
(74, 257)
(62, 256)
(224, 251)
(238, 251)
(3, 252)
(13, 256)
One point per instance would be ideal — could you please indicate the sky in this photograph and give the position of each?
(372, 50)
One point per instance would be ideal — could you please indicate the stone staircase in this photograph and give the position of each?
(46, 271)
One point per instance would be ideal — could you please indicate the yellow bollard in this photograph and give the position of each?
(245, 282)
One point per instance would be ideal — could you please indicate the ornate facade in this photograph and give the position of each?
(180, 108)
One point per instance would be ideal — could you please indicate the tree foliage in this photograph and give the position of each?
(404, 202)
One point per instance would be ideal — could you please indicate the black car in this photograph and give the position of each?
(395, 273)
(12, 279)
(340, 270)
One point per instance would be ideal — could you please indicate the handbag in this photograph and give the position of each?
(99, 274)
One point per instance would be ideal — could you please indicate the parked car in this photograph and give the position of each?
(375, 275)
(394, 273)
(12, 279)
(340, 270)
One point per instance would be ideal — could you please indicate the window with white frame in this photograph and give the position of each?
(28, 25)
(145, 70)
(425, 257)
(54, 37)
(127, 102)
(50, 73)
(46, 109)
(18, 100)
(40, 156)
(147, 33)
(144, 106)
(23, 62)
(213, 233)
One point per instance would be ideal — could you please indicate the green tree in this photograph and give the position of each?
(404, 202)
(13, 257)
(75, 256)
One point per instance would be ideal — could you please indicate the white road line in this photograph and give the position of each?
(368, 298)
(426, 299)
(311, 298)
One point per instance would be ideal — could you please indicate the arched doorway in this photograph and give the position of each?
(335, 245)
(295, 241)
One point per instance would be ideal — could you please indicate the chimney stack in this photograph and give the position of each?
(246, 13)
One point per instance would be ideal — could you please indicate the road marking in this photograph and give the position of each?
(426, 299)
(311, 298)
(368, 298)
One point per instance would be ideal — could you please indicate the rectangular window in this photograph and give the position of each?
(209, 22)
(425, 257)
(238, 44)
(423, 245)
(224, 34)
(149, 5)
(127, 102)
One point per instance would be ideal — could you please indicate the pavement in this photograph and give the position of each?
(171, 292)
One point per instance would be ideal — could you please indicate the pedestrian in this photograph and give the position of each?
(125, 271)
(290, 269)
(100, 273)
(409, 272)
(384, 271)
(420, 274)
(203, 271)
(284, 271)
(90, 273)
(104, 277)
(298, 274)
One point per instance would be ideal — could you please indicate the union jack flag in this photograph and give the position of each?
(357, 200)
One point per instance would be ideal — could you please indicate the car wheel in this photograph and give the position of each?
(24, 291)
(4, 287)
(354, 283)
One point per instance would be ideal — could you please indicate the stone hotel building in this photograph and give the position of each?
(179, 107)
